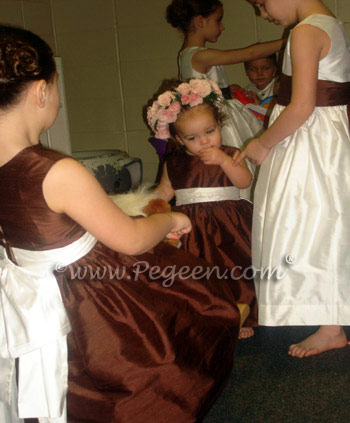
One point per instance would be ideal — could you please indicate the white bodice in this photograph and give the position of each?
(186, 70)
(335, 66)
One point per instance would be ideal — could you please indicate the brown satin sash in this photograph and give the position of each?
(329, 93)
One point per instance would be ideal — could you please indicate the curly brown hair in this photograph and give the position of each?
(24, 58)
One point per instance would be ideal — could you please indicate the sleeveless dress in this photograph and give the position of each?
(301, 223)
(221, 232)
(241, 125)
(143, 348)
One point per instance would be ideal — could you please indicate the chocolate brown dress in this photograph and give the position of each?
(221, 230)
(142, 349)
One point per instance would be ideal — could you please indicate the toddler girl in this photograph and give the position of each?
(150, 341)
(201, 175)
(301, 219)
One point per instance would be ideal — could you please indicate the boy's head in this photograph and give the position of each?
(261, 71)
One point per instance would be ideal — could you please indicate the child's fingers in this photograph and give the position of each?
(237, 153)
(238, 160)
(172, 235)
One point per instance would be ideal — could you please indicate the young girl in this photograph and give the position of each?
(201, 22)
(206, 184)
(150, 341)
(301, 221)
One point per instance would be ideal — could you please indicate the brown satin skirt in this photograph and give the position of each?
(143, 352)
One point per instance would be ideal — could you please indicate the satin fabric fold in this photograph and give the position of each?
(301, 227)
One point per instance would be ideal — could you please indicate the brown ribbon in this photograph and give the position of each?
(5, 244)
(329, 93)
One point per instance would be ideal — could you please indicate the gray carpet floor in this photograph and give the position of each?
(269, 386)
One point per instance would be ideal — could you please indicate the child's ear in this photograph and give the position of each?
(199, 21)
(39, 92)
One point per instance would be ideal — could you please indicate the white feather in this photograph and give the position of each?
(133, 202)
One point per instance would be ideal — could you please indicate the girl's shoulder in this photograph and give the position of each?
(191, 50)
(324, 22)
(32, 159)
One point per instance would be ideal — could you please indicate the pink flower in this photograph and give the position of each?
(167, 116)
(165, 98)
(195, 99)
(152, 115)
(175, 107)
(184, 88)
(185, 99)
(201, 87)
(153, 110)
(162, 131)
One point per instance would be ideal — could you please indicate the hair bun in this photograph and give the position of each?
(177, 15)
(18, 61)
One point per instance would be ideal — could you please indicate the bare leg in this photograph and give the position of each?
(245, 332)
(324, 339)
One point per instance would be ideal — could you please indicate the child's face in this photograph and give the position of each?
(261, 72)
(276, 11)
(213, 26)
(197, 129)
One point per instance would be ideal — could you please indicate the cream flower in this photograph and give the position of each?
(184, 88)
(201, 87)
(165, 98)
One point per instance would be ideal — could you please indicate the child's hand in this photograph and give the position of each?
(233, 89)
(255, 151)
(253, 96)
(212, 156)
(181, 225)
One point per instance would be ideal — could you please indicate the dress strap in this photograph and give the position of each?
(203, 195)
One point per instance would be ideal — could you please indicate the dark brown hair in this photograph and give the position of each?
(272, 57)
(24, 58)
(180, 13)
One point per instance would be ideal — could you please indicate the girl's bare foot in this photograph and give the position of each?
(324, 339)
(245, 333)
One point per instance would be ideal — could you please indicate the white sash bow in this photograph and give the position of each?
(34, 325)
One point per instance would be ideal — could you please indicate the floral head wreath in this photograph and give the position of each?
(169, 104)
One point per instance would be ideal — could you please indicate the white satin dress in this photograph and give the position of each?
(301, 223)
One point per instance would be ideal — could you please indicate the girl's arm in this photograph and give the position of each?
(308, 46)
(203, 60)
(164, 188)
(240, 176)
(71, 189)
